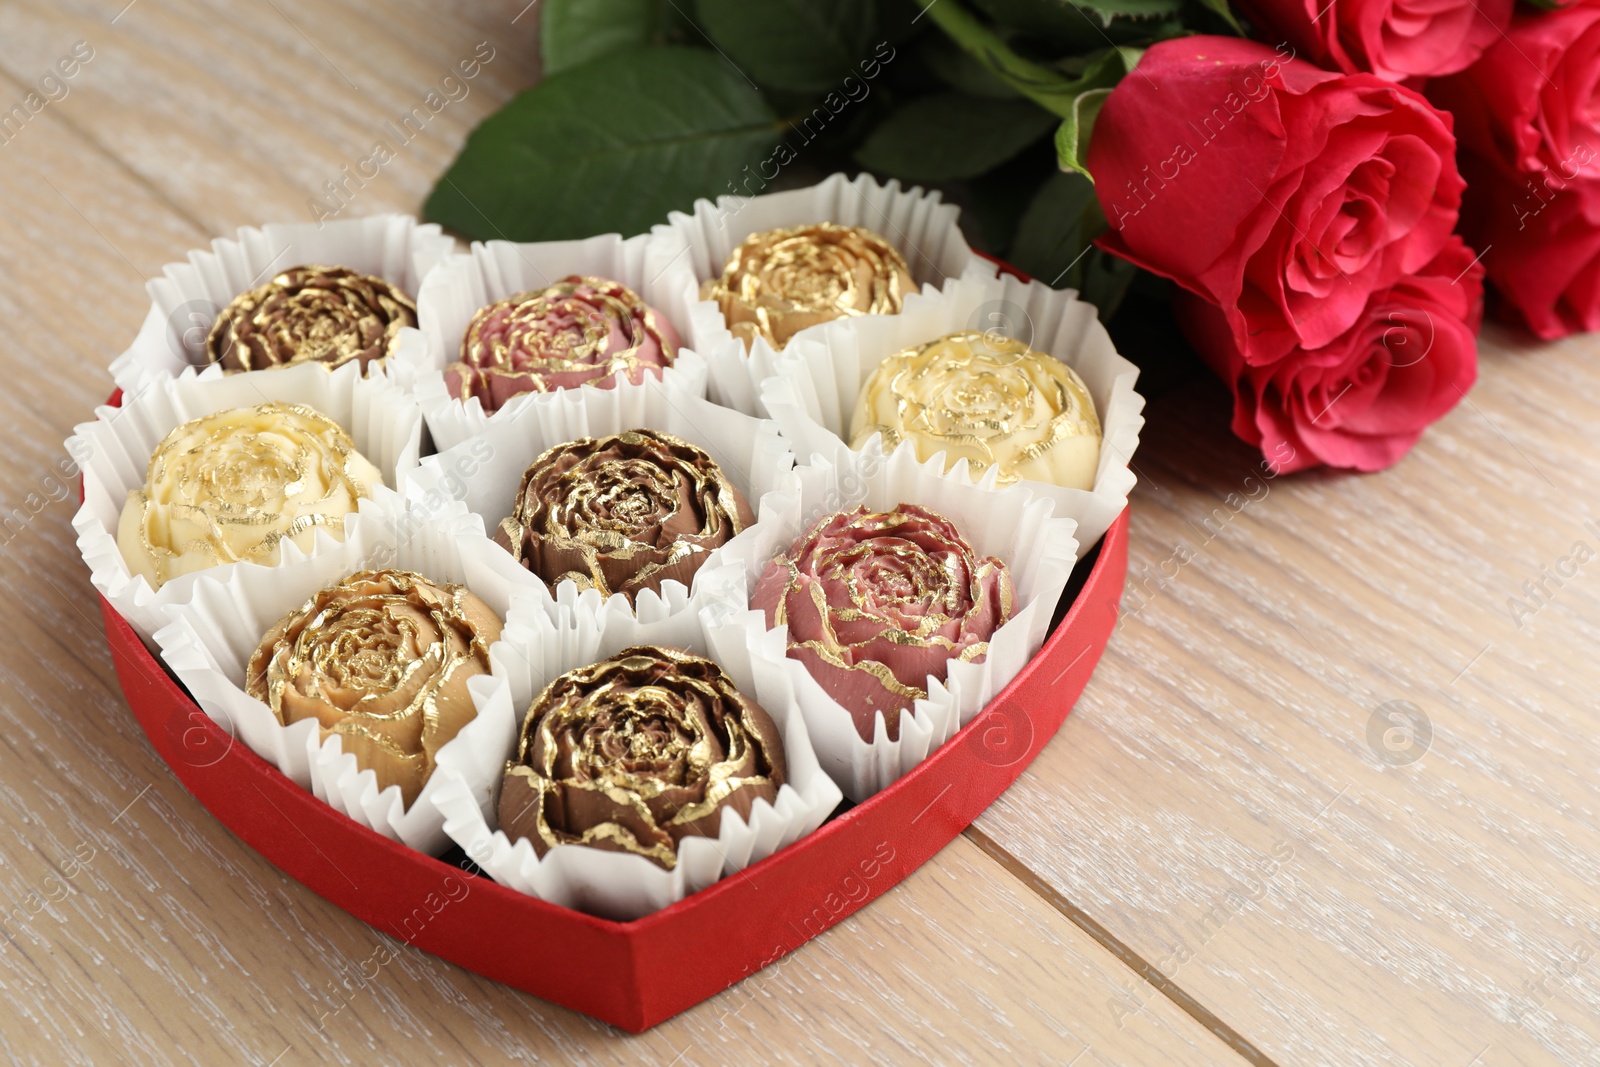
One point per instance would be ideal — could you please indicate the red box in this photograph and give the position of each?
(633, 974)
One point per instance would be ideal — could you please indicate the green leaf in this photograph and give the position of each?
(1105, 281)
(946, 136)
(1055, 244)
(962, 71)
(1049, 88)
(1072, 136)
(1052, 21)
(572, 32)
(612, 145)
(995, 201)
(1221, 8)
(801, 45)
(1050, 236)
(1133, 9)
(1058, 24)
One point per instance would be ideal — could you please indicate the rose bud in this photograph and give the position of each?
(381, 660)
(310, 314)
(579, 331)
(622, 513)
(876, 603)
(228, 487)
(987, 399)
(636, 753)
(779, 282)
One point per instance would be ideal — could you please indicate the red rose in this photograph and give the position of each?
(1284, 194)
(1362, 400)
(1394, 39)
(1541, 242)
(1530, 139)
(1528, 104)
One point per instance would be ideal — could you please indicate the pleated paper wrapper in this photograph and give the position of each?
(813, 397)
(1013, 525)
(495, 270)
(380, 418)
(618, 885)
(486, 470)
(210, 641)
(916, 222)
(188, 296)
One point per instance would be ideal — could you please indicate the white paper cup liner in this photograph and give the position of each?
(537, 649)
(380, 418)
(916, 222)
(188, 296)
(209, 642)
(1018, 527)
(813, 397)
(486, 470)
(495, 270)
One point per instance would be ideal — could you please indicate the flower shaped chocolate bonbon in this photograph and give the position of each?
(636, 753)
(381, 660)
(228, 487)
(877, 602)
(779, 282)
(988, 399)
(310, 314)
(579, 331)
(622, 513)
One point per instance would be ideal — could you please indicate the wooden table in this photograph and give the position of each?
(1217, 858)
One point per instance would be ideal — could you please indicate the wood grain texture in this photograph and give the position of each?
(135, 928)
(1217, 802)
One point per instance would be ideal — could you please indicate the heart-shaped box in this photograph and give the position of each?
(634, 974)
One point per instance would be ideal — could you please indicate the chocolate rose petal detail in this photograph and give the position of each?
(875, 603)
(228, 487)
(579, 331)
(988, 399)
(310, 314)
(637, 753)
(623, 513)
(382, 660)
(779, 282)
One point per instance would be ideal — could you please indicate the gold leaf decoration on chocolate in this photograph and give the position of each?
(228, 487)
(875, 602)
(382, 661)
(988, 399)
(637, 753)
(779, 282)
(579, 331)
(310, 314)
(622, 513)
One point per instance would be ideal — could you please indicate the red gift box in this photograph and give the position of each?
(633, 974)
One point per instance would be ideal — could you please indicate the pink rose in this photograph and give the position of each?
(1394, 39)
(877, 603)
(579, 331)
(1363, 399)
